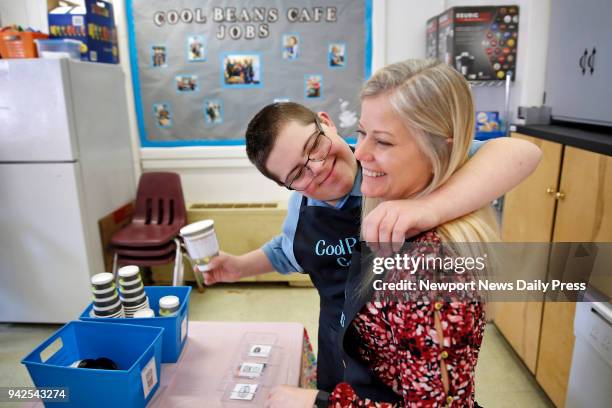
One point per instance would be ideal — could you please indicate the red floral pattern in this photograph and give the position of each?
(399, 341)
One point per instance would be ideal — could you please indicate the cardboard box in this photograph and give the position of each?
(431, 38)
(93, 25)
(480, 42)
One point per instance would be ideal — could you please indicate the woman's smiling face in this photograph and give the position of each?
(394, 166)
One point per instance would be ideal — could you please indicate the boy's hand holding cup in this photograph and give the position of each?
(201, 242)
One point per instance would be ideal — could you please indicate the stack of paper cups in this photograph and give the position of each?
(132, 291)
(105, 298)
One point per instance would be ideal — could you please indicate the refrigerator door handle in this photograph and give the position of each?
(582, 60)
(591, 60)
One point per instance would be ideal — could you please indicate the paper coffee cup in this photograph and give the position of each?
(201, 242)
(102, 281)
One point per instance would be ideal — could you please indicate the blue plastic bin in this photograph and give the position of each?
(135, 349)
(489, 135)
(175, 327)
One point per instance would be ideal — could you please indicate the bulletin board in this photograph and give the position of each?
(202, 69)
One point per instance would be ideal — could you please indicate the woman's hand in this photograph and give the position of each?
(284, 396)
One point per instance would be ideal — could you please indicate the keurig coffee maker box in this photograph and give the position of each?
(480, 42)
(431, 38)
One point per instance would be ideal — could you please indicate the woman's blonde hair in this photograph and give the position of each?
(435, 103)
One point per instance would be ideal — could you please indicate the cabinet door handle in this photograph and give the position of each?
(582, 61)
(550, 191)
(591, 60)
(560, 195)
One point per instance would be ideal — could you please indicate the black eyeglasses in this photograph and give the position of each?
(318, 146)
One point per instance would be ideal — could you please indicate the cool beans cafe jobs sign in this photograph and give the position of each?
(201, 72)
(246, 23)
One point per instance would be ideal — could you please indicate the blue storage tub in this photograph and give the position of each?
(489, 135)
(175, 327)
(135, 349)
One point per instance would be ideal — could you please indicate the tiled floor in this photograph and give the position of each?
(501, 379)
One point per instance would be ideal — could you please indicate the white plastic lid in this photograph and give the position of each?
(128, 271)
(102, 278)
(168, 302)
(144, 313)
(197, 227)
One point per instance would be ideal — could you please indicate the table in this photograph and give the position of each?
(202, 375)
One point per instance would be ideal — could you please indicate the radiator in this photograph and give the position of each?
(240, 228)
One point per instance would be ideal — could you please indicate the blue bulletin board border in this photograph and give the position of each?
(144, 142)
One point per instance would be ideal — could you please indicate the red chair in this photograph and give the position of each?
(152, 236)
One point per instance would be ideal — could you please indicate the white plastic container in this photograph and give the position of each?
(169, 305)
(59, 48)
(201, 242)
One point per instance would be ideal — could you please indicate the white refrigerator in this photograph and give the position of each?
(65, 162)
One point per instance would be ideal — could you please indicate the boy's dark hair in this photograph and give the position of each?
(265, 126)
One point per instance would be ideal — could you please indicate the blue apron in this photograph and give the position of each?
(324, 240)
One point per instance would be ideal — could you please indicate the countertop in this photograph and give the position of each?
(598, 141)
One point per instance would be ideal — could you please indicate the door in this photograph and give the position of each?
(584, 214)
(528, 217)
(35, 111)
(44, 270)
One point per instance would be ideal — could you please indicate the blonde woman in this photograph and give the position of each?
(417, 113)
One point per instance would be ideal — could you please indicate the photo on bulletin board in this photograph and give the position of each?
(158, 56)
(202, 70)
(196, 48)
(337, 55)
(163, 114)
(241, 70)
(187, 83)
(291, 46)
(213, 112)
(313, 86)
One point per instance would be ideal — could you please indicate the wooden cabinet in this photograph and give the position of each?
(585, 209)
(529, 212)
(579, 61)
(567, 199)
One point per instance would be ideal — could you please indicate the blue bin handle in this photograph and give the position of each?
(46, 344)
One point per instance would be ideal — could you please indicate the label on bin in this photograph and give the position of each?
(183, 328)
(149, 377)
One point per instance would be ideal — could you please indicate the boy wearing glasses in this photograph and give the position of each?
(302, 151)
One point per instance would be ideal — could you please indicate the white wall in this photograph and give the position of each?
(26, 13)
(405, 26)
(224, 173)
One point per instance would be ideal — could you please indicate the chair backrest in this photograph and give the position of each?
(159, 200)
